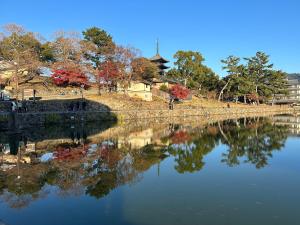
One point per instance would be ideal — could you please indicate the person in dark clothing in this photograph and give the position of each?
(171, 104)
(24, 106)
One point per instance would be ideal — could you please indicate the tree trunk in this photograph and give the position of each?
(256, 91)
(99, 85)
(223, 89)
(223, 134)
(98, 79)
(17, 81)
(99, 88)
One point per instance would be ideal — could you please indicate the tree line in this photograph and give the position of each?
(252, 80)
(75, 59)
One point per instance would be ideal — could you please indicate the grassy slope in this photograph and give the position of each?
(120, 101)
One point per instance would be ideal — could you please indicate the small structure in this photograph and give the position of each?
(137, 89)
(159, 61)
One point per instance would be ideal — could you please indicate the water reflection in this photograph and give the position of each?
(190, 146)
(95, 159)
(253, 141)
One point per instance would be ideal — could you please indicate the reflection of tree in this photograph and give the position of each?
(20, 192)
(146, 157)
(107, 182)
(254, 140)
(125, 170)
(70, 151)
(190, 152)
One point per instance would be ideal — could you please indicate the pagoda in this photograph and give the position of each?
(159, 61)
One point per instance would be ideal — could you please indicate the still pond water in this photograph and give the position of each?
(233, 172)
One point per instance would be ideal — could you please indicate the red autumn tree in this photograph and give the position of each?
(73, 77)
(179, 92)
(109, 71)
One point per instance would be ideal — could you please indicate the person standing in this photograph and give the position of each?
(13, 106)
(24, 107)
(171, 104)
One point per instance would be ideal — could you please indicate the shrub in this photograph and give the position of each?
(164, 88)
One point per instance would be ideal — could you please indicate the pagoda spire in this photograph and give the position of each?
(157, 46)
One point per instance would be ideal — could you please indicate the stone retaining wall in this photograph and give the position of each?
(24, 120)
(11, 121)
(204, 112)
(65, 105)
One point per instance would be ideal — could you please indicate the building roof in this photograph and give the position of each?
(158, 58)
(293, 79)
(294, 76)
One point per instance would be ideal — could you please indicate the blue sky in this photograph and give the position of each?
(216, 28)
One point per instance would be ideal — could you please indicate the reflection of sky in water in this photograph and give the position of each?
(185, 147)
(146, 188)
(46, 157)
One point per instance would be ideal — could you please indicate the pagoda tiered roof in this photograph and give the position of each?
(158, 58)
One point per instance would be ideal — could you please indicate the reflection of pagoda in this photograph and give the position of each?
(159, 61)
